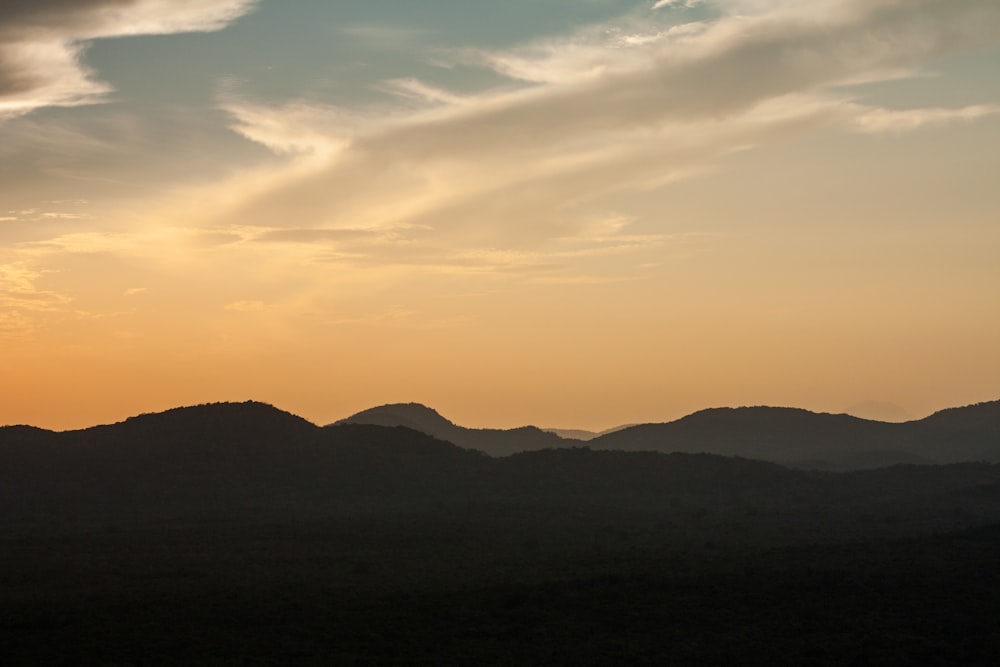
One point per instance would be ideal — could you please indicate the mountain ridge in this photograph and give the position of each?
(788, 436)
(495, 442)
(230, 459)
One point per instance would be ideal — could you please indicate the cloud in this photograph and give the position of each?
(887, 120)
(601, 111)
(294, 129)
(421, 91)
(736, 62)
(687, 4)
(383, 36)
(512, 184)
(42, 43)
(21, 300)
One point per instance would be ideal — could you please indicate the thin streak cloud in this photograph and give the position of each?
(888, 120)
(520, 167)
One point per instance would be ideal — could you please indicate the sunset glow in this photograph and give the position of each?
(565, 213)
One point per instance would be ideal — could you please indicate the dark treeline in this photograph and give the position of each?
(238, 533)
(233, 457)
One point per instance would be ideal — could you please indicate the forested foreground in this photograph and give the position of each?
(239, 534)
(510, 586)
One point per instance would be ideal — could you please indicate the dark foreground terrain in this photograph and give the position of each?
(453, 590)
(242, 535)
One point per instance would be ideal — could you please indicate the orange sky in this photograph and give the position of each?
(569, 216)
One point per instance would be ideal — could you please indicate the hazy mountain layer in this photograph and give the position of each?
(802, 438)
(783, 435)
(241, 534)
(495, 442)
(228, 458)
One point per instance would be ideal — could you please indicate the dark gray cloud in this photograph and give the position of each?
(41, 42)
(20, 14)
(15, 78)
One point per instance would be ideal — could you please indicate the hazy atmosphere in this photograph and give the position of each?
(572, 213)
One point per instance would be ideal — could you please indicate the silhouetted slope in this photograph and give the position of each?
(957, 434)
(231, 458)
(23, 433)
(978, 416)
(583, 476)
(772, 434)
(246, 534)
(220, 458)
(583, 434)
(572, 433)
(789, 436)
(799, 437)
(495, 442)
(411, 415)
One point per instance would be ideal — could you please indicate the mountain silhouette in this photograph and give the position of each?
(806, 439)
(580, 434)
(789, 436)
(495, 442)
(221, 458)
(583, 434)
(882, 411)
(785, 435)
(245, 533)
(237, 458)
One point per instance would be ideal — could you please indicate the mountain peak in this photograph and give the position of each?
(496, 442)
(417, 416)
(252, 418)
(978, 414)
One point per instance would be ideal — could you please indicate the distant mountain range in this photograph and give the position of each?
(247, 534)
(251, 457)
(495, 442)
(582, 434)
(788, 436)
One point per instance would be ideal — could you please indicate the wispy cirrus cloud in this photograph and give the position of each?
(296, 128)
(511, 183)
(42, 43)
(630, 105)
(382, 36)
(22, 300)
(660, 4)
(876, 120)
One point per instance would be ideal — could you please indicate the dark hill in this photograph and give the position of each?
(970, 417)
(230, 459)
(807, 439)
(495, 442)
(583, 434)
(785, 435)
(788, 436)
(969, 433)
(20, 433)
(217, 419)
(572, 433)
(221, 458)
(248, 535)
(411, 415)
(202, 430)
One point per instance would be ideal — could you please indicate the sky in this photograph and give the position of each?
(571, 213)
